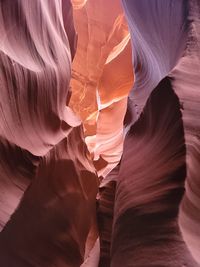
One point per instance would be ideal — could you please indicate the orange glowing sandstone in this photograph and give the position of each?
(102, 68)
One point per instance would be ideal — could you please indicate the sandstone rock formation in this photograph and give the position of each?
(99, 133)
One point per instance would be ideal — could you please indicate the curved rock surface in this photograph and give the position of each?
(147, 199)
(99, 133)
(172, 52)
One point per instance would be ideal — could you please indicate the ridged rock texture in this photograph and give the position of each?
(99, 133)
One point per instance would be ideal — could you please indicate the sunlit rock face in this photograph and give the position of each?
(102, 34)
(99, 133)
(103, 45)
(78, 3)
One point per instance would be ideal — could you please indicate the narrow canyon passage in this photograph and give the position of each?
(99, 133)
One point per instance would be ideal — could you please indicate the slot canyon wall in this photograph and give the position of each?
(99, 133)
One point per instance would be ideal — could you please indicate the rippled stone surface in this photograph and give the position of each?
(99, 133)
